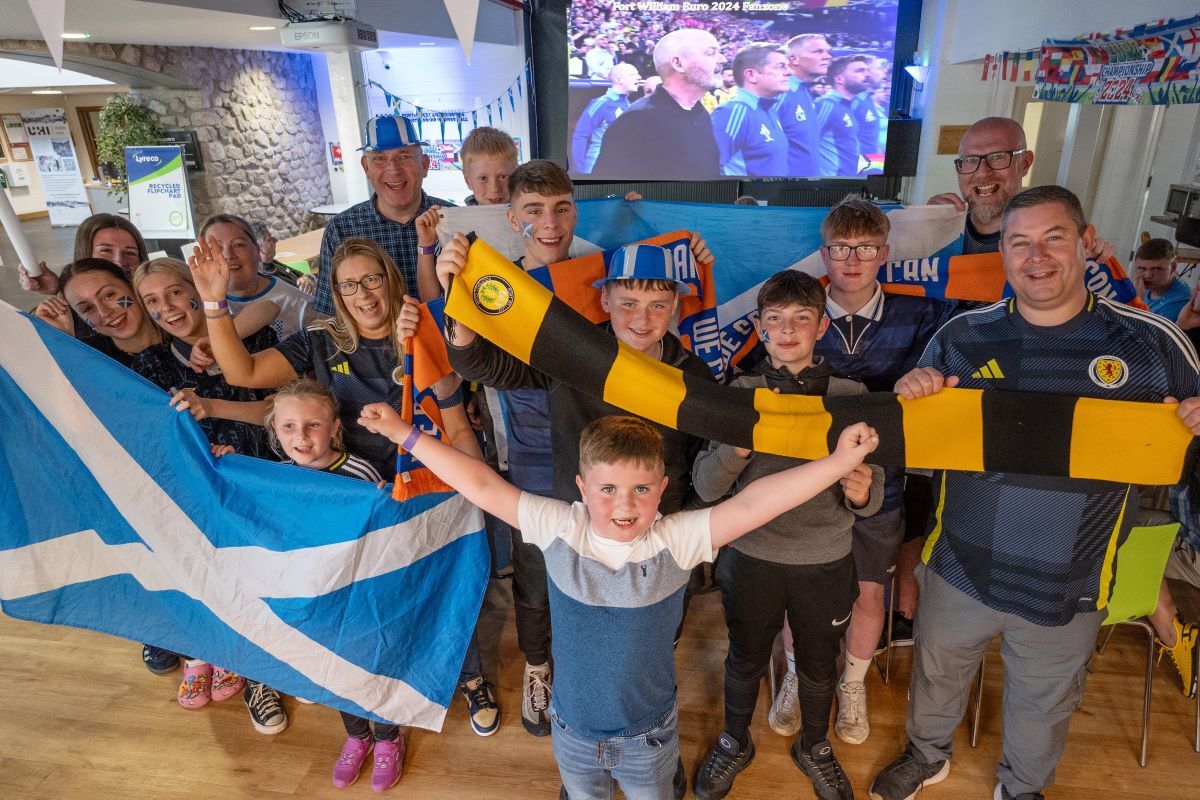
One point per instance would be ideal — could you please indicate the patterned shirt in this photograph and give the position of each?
(750, 138)
(351, 466)
(165, 365)
(798, 115)
(1036, 546)
(839, 135)
(399, 239)
(589, 130)
(368, 375)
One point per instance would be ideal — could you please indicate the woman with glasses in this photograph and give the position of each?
(357, 354)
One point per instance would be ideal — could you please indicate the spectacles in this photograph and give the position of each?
(841, 252)
(372, 281)
(1001, 159)
(400, 156)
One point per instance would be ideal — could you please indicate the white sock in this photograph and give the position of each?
(193, 662)
(791, 660)
(856, 669)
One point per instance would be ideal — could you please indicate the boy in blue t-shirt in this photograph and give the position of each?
(617, 572)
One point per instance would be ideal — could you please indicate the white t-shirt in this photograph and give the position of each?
(296, 311)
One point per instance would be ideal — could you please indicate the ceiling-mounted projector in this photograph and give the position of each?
(331, 36)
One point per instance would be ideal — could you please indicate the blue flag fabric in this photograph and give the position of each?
(115, 517)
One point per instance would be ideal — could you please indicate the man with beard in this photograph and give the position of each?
(868, 117)
(992, 159)
(747, 130)
(808, 57)
(668, 135)
(839, 153)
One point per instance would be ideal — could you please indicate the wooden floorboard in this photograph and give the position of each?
(80, 718)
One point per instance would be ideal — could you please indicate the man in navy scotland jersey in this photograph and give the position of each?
(1027, 557)
(747, 130)
(839, 153)
(808, 58)
(599, 114)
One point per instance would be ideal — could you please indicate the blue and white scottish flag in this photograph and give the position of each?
(115, 517)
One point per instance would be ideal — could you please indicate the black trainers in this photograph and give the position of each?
(1003, 794)
(819, 764)
(265, 707)
(679, 782)
(158, 660)
(715, 778)
(904, 777)
(902, 630)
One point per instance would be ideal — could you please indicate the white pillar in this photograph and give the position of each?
(343, 115)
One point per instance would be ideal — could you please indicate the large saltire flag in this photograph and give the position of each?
(750, 244)
(115, 517)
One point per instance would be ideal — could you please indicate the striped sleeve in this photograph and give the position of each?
(727, 123)
(355, 467)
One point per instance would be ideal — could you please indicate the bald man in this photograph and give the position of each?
(993, 158)
(668, 135)
(599, 114)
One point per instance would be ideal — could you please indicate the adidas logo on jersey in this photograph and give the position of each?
(990, 370)
(342, 367)
(849, 123)
(765, 132)
(800, 115)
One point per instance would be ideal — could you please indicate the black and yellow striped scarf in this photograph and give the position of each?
(960, 429)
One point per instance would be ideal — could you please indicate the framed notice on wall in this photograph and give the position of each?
(14, 129)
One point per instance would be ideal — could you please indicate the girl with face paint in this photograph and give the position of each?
(103, 298)
(229, 415)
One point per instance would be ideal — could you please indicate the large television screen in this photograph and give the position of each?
(739, 89)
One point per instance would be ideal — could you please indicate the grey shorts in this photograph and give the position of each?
(876, 546)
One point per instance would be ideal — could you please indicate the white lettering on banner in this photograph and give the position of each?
(913, 270)
(1098, 280)
(685, 266)
(143, 159)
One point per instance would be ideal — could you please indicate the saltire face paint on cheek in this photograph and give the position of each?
(124, 301)
(526, 229)
(156, 315)
(195, 304)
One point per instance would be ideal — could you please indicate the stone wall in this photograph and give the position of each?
(255, 114)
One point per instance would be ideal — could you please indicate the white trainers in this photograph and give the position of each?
(852, 726)
(535, 702)
(784, 718)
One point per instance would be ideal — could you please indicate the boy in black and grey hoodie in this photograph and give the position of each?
(799, 563)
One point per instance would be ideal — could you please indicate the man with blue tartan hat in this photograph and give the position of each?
(748, 132)
(396, 168)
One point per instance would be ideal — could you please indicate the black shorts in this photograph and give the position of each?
(876, 545)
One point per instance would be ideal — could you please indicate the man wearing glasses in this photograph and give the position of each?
(992, 160)
(396, 169)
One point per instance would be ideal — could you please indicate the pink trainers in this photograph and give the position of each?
(194, 692)
(389, 764)
(225, 684)
(350, 762)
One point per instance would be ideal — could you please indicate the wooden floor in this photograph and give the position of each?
(81, 718)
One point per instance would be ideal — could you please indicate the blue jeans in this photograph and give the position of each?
(643, 763)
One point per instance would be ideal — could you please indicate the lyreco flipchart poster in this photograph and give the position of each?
(159, 202)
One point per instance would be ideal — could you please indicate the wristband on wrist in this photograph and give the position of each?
(219, 315)
(216, 305)
(411, 440)
(427, 250)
